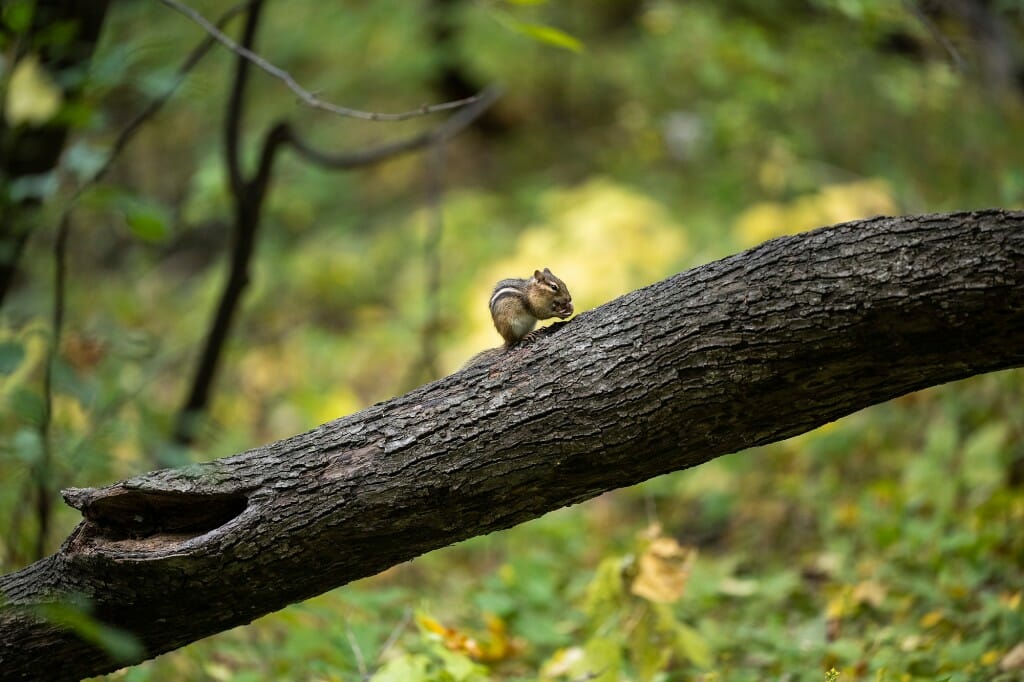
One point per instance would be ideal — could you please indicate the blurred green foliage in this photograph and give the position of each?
(633, 140)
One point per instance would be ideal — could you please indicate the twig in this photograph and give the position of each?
(958, 61)
(356, 650)
(151, 109)
(307, 97)
(435, 167)
(396, 633)
(42, 469)
(455, 124)
(424, 368)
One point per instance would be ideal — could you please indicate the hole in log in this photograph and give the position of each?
(140, 514)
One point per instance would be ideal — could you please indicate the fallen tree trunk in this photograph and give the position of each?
(744, 351)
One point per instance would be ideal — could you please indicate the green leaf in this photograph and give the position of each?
(17, 15)
(550, 35)
(602, 661)
(693, 646)
(460, 667)
(27, 404)
(647, 646)
(405, 668)
(605, 591)
(983, 457)
(74, 615)
(12, 353)
(148, 222)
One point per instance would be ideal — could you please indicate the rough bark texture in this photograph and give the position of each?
(743, 351)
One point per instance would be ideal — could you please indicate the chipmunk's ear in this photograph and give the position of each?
(548, 272)
(539, 276)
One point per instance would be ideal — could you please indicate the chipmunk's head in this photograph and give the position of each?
(551, 297)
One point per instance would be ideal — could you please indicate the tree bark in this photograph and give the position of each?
(744, 351)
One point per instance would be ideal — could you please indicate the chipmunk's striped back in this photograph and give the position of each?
(512, 287)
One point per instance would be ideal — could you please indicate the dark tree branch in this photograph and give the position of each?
(744, 351)
(245, 52)
(233, 119)
(249, 196)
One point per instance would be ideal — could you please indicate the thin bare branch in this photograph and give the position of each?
(396, 633)
(151, 109)
(357, 652)
(936, 32)
(304, 95)
(425, 367)
(43, 467)
(455, 124)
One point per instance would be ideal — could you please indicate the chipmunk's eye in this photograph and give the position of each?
(554, 287)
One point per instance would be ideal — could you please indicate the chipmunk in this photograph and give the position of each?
(517, 304)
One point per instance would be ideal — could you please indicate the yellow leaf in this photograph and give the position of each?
(430, 624)
(498, 646)
(839, 606)
(869, 592)
(218, 671)
(663, 570)
(32, 341)
(33, 97)
(931, 619)
(847, 514)
(990, 657)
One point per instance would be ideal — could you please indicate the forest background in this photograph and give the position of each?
(630, 141)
